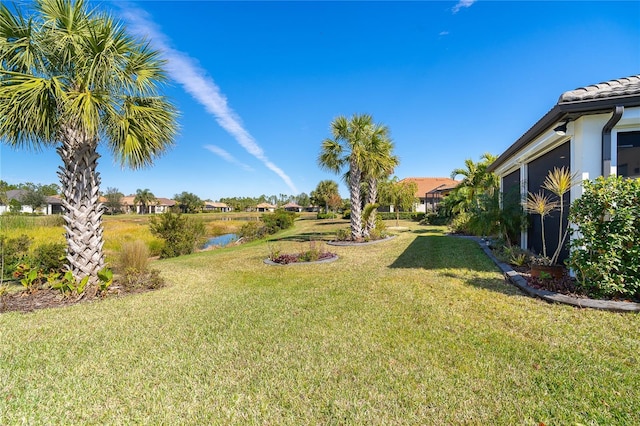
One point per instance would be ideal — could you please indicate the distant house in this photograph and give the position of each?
(158, 206)
(292, 207)
(430, 191)
(266, 207)
(53, 203)
(210, 206)
(594, 131)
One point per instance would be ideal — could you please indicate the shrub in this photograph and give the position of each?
(181, 234)
(278, 220)
(252, 231)
(435, 219)
(13, 251)
(134, 256)
(346, 214)
(133, 280)
(327, 216)
(50, 256)
(460, 224)
(343, 234)
(605, 250)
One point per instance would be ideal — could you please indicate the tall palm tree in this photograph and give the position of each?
(379, 164)
(348, 148)
(71, 78)
(144, 197)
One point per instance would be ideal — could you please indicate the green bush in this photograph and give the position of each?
(435, 219)
(13, 251)
(460, 224)
(50, 256)
(181, 234)
(278, 220)
(327, 216)
(605, 249)
(252, 231)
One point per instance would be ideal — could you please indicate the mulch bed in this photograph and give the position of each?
(29, 301)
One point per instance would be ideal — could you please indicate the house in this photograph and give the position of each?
(593, 130)
(53, 204)
(430, 191)
(292, 207)
(158, 206)
(210, 206)
(265, 207)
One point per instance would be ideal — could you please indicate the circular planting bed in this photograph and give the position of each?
(359, 243)
(297, 259)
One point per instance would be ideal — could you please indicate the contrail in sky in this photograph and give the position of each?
(226, 156)
(195, 81)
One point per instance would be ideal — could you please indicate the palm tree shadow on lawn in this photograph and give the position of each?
(456, 257)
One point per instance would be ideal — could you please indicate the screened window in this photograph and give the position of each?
(629, 154)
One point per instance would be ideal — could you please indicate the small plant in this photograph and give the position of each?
(343, 235)
(68, 285)
(519, 259)
(558, 181)
(106, 279)
(545, 275)
(29, 277)
(274, 251)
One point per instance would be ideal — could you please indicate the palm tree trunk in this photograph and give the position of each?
(356, 207)
(83, 210)
(372, 196)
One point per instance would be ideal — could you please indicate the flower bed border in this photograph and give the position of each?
(327, 260)
(355, 243)
(516, 279)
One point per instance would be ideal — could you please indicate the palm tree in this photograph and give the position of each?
(476, 180)
(70, 78)
(144, 197)
(348, 147)
(379, 164)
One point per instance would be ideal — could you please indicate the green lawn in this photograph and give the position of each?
(421, 329)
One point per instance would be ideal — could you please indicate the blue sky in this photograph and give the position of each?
(258, 84)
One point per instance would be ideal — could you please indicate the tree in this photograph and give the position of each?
(188, 202)
(71, 77)
(144, 197)
(114, 200)
(379, 164)
(34, 197)
(302, 199)
(348, 147)
(476, 181)
(324, 192)
(401, 195)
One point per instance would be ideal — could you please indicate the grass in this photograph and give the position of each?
(420, 329)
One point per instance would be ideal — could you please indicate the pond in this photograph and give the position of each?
(220, 240)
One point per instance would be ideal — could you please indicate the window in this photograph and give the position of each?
(629, 154)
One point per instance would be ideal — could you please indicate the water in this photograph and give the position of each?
(221, 240)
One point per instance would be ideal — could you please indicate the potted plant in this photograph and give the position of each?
(558, 182)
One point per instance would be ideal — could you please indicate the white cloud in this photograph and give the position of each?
(443, 33)
(187, 72)
(227, 157)
(462, 4)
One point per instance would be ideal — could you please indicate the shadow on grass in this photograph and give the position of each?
(456, 258)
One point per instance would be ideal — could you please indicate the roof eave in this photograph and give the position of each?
(558, 113)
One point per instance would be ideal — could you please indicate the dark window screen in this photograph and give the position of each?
(537, 172)
(629, 154)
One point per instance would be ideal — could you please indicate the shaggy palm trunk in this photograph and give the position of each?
(83, 211)
(372, 196)
(356, 206)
